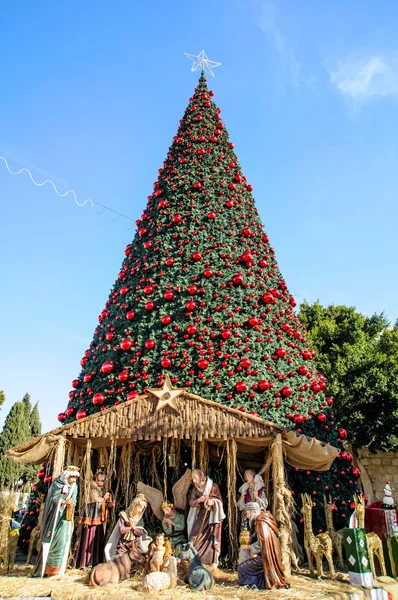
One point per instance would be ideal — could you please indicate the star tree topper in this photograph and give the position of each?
(167, 395)
(201, 62)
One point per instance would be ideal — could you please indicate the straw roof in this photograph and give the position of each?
(195, 418)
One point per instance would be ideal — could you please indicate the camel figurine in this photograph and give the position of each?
(320, 545)
(375, 546)
(335, 536)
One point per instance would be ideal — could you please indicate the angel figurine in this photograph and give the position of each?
(171, 514)
(253, 490)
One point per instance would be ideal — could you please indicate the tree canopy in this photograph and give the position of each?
(359, 357)
(21, 423)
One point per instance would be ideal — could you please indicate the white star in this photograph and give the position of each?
(201, 62)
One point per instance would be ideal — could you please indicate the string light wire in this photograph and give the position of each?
(89, 201)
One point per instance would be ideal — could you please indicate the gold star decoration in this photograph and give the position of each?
(167, 395)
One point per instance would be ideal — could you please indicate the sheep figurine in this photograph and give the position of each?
(158, 581)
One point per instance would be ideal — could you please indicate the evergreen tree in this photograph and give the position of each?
(15, 431)
(34, 421)
(359, 356)
(200, 296)
(30, 471)
(27, 405)
(2, 397)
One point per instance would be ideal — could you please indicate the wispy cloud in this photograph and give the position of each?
(279, 43)
(359, 80)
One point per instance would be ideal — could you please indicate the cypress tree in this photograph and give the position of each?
(15, 431)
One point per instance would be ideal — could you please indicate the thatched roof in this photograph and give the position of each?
(196, 418)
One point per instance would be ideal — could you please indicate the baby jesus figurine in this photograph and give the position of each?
(159, 551)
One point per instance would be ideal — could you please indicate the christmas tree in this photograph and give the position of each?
(200, 297)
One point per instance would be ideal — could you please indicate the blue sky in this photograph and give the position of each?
(91, 97)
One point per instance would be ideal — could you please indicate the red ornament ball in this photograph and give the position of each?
(150, 306)
(166, 363)
(298, 419)
(149, 344)
(342, 433)
(75, 383)
(98, 399)
(61, 417)
(321, 417)
(130, 315)
(203, 364)
(126, 344)
(169, 295)
(166, 319)
(356, 472)
(287, 391)
(123, 376)
(132, 395)
(69, 411)
(107, 367)
(240, 386)
(226, 334)
(263, 385)
(237, 279)
(81, 414)
(268, 298)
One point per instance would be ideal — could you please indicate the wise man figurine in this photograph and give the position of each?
(93, 519)
(57, 525)
(205, 518)
(263, 569)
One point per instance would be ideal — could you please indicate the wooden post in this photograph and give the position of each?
(281, 503)
(59, 457)
(232, 506)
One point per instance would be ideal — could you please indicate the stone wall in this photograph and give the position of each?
(376, 469)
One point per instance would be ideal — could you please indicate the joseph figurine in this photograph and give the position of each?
(205, 518)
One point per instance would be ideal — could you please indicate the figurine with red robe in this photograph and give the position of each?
(93, 520)
(264, 569)
(205, 518)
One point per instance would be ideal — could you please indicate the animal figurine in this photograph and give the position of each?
(158, 553)
(117, 569)
(157, 581)
(375, 546)
(335, 536)
(320, 545)
(198, 577)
